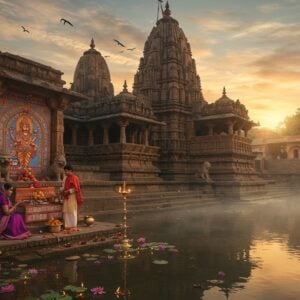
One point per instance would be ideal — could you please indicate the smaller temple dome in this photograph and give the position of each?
(92, 76)
(224, 100)
(125, 94)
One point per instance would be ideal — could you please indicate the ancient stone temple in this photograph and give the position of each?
(164, 130)
(109, 135)
(221, 138)
(167, 76)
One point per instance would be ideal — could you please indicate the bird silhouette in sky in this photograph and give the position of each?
(131, 49)
(119, 43)
(24, 29)
(66, 21)
(106, 56)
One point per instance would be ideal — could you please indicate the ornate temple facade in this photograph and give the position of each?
(32, 101)
(164, 129)
(162, 133)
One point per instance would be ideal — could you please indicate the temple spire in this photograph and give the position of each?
(167, 11)
(125, 87)
(224, 91)
(92, 45)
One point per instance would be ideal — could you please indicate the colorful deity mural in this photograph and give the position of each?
(23, 141)
(26, 133)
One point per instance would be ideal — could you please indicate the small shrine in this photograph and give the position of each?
(32, 101)
(221, 137)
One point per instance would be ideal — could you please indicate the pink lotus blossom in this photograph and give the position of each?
(161, 247)
(141, 240)
(97, 262)
(110, 257)
(7, 289)
(221, 274)
(33, 271)
(117, 246)
(99, 290)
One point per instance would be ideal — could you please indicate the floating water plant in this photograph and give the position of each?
(99, 290)
(160, 262)
(50, 295)
(7, 289)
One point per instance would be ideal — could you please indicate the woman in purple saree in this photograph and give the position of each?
(12, 226)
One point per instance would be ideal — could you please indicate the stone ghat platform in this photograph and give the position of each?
(43, 244)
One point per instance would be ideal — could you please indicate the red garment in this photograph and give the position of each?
(72, 182)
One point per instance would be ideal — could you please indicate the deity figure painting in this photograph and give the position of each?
(24, 140)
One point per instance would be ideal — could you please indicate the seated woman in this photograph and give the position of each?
(12, 226)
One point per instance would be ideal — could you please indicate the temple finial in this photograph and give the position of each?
(167, 11)
(125, 87)
(224, 91)
(92, 45)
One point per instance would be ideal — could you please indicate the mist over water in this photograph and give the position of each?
(256, 246)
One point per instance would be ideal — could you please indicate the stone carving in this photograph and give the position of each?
(4, 167)
(56, 170)
(203, 173)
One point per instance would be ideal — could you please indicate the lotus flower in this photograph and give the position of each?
(221, 274)
(97, 262)
(33, 271)
(99, 290)
(7, 289)
(110, 257)
(162, 247)
(141, 240)
(117, 246)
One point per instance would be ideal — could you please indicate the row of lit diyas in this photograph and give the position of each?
(124, 292)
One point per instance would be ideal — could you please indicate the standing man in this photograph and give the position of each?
(72, 199)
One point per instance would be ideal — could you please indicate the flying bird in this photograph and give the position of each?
(66, 21)
(24, 29)
(119, 43)
(106, 56)
(131, 49)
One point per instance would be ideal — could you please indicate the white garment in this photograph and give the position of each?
(70, 210)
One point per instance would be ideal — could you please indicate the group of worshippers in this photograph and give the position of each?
(12, 225)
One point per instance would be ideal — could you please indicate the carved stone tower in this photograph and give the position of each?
(92, 76)
(167, 76)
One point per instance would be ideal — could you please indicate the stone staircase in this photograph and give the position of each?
(97, 203)
(102, 199)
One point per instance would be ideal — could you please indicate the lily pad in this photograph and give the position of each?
(55, 295)
(74, 257)
(110, 251)
(94, 255)
(91, 258)
(160, 262)
(75, 289)
(86, 255)
(22, 265)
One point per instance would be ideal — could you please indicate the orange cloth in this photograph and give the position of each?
(72, 182)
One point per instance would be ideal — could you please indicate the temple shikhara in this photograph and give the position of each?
(161, 136)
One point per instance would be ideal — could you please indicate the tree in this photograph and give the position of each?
(291, 124)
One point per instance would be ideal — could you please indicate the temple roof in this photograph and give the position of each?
(92, 76)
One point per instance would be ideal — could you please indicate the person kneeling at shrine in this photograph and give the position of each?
(72, 199)
(12, 226)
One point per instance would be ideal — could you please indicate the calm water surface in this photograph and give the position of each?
(257, 246)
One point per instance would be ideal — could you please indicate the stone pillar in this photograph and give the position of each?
(230, 127)
(91, 135)
(123, 125)
(210, 128)
(57, 106)
(146, 133)
(105, 134)
(74, 134)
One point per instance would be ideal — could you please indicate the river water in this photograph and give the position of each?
(231, 251)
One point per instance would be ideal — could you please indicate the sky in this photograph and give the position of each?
(252, 47)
